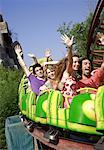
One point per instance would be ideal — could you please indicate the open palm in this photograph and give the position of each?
(100, 37)
(66, 40)
(18, 50)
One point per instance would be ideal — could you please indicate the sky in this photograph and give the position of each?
(34, 23)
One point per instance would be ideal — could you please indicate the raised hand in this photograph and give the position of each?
(31, 55)
(66, 40)
(48, 53)
(18, 50)
(100, 38)
(19, 53)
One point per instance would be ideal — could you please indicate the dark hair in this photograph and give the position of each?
(75, 55)
(84, 58)
(36, 65)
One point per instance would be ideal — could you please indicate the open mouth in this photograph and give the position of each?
(87, 69)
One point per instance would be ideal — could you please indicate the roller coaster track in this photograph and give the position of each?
(95, 51)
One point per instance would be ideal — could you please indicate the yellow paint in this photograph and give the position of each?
(88, 109)
(44, 106)
(23, 112)
(83, 128)
(33, 112)
(61, 117)
(61, 114)
(61, 123)
(67, 113)
(53, 108)
(93, 96)
(41, 120)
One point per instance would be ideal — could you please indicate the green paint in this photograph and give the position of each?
(48, 108)
(76, 114)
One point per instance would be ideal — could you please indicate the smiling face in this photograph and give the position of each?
(50, 73)
(76, 63)
(86, 67)
(39, 72)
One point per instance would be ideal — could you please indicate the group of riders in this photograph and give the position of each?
(67, 75)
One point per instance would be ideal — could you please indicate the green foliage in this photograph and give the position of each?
(9, 82)
(80, 32)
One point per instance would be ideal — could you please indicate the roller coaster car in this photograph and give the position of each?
(47, 109)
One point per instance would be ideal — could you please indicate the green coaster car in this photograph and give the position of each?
(84, 115)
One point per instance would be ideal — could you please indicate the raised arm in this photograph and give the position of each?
(48, 58)
(48, 55)
(69, 42)
(18, 51)
(102, 65)
(100, 38)
(33, 58)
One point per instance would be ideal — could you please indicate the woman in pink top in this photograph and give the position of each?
(64, 72)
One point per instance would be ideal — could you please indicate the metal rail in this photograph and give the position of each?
(97, 24)
(64, 144)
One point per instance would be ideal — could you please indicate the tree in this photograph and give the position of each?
(80, 32)
(9, 82)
